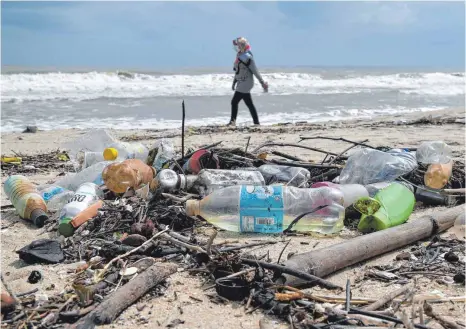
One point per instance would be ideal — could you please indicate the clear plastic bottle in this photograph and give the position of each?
(86, 195)
(294, 176)
(351, 192)
(210, 180)
(164, 152)
(55, 196)
(433, 152)
(90, 174)
(271, 209)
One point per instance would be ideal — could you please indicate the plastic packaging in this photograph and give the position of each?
(131, 173)
(351, 192)
(369, 166)
(161, 153)
(390, 207)
(202, 159)
(294, 176)
(26, 199)
(55, 196)
(86, 195)
(438, 175)
(210, 180)
(91, 174)
(433, 152)
(271, 209)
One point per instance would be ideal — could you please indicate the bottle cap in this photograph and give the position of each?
(193, 207)
(110, 154)
(38, 217)
(65, 228)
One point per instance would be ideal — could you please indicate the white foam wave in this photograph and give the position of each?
(93, 85)
(124, 123)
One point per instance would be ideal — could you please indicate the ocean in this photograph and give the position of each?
(152, 100)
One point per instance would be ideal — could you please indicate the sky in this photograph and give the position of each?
(150, 35)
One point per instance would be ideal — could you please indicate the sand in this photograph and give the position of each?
(177, 302)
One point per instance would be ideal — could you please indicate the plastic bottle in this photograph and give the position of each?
(202, 159)
(82, 217)
(86, 195)
(391, 206)
(433, 152)
(271, 209)
(438, 175)
(91, 174)
(55, 196)
(210, 180)
(294, 176)
(351, 192)
(26, 199)
(160, 153)
(131, 173)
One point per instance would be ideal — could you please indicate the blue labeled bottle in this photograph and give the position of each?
(271, 209)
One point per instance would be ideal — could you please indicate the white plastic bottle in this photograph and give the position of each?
(55, 196)
(271, 209)
(86, 195)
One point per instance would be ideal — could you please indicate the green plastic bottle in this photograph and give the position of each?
(391, 206)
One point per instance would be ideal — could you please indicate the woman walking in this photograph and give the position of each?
(245, 69)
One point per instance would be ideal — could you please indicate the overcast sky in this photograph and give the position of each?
(193, 34)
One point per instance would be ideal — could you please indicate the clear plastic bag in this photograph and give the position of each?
(433, 152)
(369, 166)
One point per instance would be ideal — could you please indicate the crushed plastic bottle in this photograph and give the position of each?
(86, 195)
(368, 166)
(92, 174)
(55, 196)
(210, 180)
(433, 152)
(161, 153)
(131, 173)
(26, 199)
(292, 176)
(271, 209)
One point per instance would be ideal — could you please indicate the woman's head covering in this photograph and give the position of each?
(241, 45)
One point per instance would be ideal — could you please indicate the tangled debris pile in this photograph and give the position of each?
(137, 216)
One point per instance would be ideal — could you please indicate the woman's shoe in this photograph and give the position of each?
(231, 124)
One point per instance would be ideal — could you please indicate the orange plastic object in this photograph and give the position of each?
(438, 175)
(131, 173)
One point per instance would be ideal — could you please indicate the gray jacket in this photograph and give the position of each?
(245, 69)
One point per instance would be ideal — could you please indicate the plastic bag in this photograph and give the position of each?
(433, 152)
(370, 166)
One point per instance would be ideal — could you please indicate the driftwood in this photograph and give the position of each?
(441, 319)
(328, 260)
(124, 297)
(387, 298)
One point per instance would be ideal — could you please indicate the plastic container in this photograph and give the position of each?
(368, 166)
(271, 209)
(210, 180)
(294, 176)
(161, 153)
(92, 174)
(433, 152)
(351, 192)
(438, 175)
(391, 206)
(202, 159)
(55, 197)
(131, 173)
(26, 199)
(86, 195)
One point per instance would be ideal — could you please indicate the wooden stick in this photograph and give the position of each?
(328, 260)
(287, 156)
(291, 145)
(455, 191)
(183, 116)
(124, 297)
(387, 298)
(447, 324)
(182, 244)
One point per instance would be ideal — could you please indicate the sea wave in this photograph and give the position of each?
(27, 87)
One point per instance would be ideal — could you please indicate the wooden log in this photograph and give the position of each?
(124, 297)
(328, 260)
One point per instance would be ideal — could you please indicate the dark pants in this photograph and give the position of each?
(237, 97)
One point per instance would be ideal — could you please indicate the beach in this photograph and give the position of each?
(184, 299)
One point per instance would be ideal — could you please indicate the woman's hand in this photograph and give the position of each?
(233, 85)
(265, 86)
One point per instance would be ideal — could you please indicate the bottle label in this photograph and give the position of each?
(50, 194)
(261, 209)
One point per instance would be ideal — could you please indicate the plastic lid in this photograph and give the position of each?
(192, 207)
(66, 229)
(110, 154)
(38, 217)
